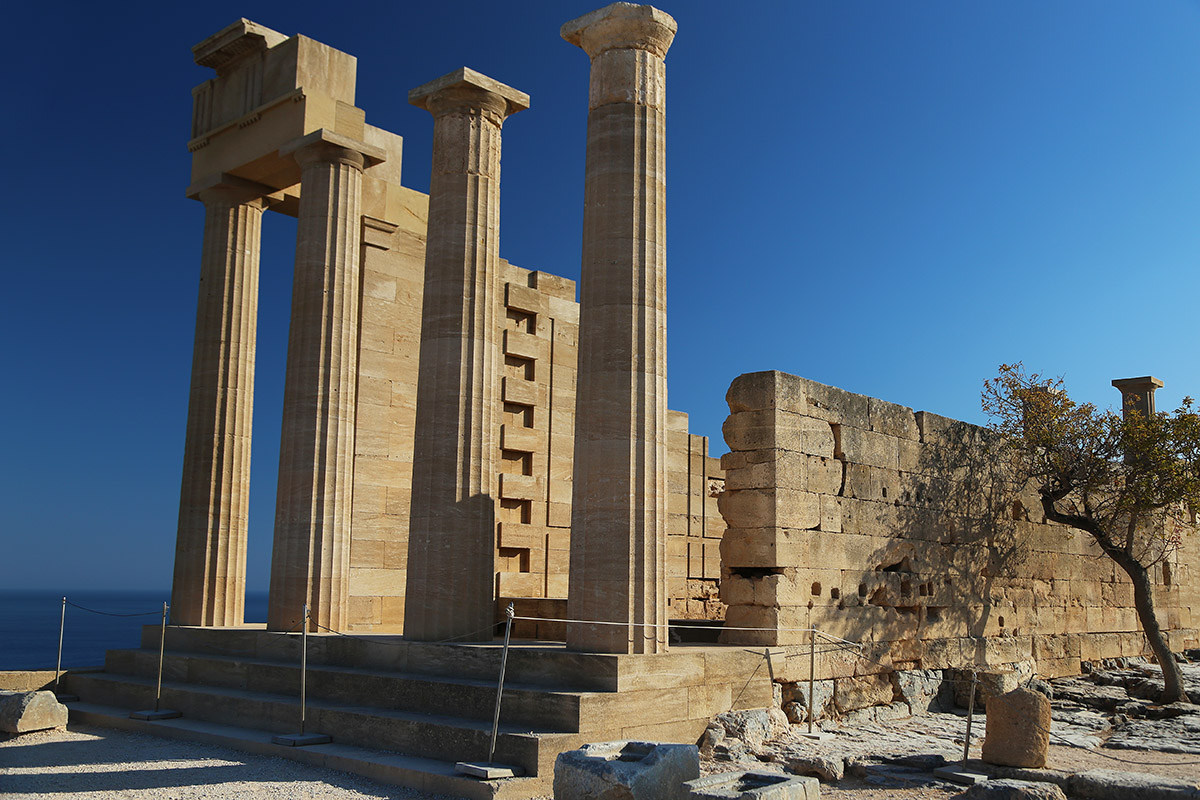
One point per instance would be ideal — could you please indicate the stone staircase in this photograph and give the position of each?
(405, 712)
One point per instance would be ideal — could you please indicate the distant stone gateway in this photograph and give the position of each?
(459, 433)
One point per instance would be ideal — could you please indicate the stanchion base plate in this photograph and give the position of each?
(165, 713)
(957, 774)
(301, 739)
(489, 772)
(819, 736)
(66, 698)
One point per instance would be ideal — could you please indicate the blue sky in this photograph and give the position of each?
(893, 198)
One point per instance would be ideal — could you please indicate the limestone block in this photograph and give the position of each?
(753, 785)
(1018, 729)
(892, 419)
(851, 694)
(787, 469)
(836, 405)
(625, 771)
(756, 391)
(23, 712)
(831, 513)
(523, 298)
(766, 508)
(1011, 789)
(553, 285)
(824, 475)
(872, 449)
(919, 688)
(780, 430)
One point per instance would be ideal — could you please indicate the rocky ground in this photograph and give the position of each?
(1101, 721)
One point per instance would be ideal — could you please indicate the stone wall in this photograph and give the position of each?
(880, 525)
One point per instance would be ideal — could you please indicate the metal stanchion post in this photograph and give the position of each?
(970, 717)
(490, 770)
(958, 772)
(302, 739)
(62, 624)
(812, 671)
(159, 713)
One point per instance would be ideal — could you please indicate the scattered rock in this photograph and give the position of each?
(713, 735)
(795, 700)
(734, 785)
(926, 762)
(1018, 729)
(22, 712)
(827, 768)
(1175, 735)
(625, 771)
(732, 749)
(752, 725)
(1009, 789)
(778, 721)
(1106, 784)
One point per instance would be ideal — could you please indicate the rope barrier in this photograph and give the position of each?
(828, 636)
(110, 613)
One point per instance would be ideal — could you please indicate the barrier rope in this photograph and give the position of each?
(112, 614)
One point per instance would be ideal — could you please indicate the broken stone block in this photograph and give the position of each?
(1018, 729)
(795, 700)
(625, 771)
(1009, 789)
(753, 786)
(713, 735)
(825, 767)
(753, 725)
(921, 689)
(851, 694)
(1104, 784)
(23, 712)
(989, 684)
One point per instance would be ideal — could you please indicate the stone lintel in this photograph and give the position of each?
(233, 42)
(622, 26)
(224, 180)
(371, 155)
(467, 78)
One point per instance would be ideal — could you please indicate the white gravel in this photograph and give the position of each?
(90, 763)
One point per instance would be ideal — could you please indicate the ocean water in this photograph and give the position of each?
(29, 623)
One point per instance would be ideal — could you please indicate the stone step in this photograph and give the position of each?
(424, 774)
(531, 663)
(426, 735)
(534, 707)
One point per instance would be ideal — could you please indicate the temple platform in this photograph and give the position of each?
(405, 712)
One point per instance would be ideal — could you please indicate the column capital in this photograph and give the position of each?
(1137, 394)
(326, 146)
(466, 89)
(622, 26)
(223, 187)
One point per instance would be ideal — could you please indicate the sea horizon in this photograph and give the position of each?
(96, 620)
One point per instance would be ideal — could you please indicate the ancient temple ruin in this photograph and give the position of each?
(412, 344)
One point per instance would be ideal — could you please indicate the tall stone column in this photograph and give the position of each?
(452, 533)
(209, 586)
(310, 560)
(618, 523)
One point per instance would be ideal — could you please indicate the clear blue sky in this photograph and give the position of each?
(893, 198)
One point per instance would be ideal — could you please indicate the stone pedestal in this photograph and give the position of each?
(209, 586)
(618, 533)
(310, 561)
(451, 572)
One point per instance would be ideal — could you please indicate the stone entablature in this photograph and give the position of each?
(878, 524)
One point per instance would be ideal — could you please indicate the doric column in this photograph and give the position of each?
(310, 560)
(618, 523)
(452, 533)
(209, 586)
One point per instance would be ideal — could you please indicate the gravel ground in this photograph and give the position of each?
(90, 763)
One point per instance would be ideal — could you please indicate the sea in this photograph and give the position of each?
(95, 621)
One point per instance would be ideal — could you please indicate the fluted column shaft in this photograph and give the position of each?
(451, 565)
(209, 586)
(618, 524)
(310, 560)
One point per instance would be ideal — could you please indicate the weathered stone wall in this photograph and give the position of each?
(877, 524)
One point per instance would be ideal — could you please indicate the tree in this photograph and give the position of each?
(1129, 481)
